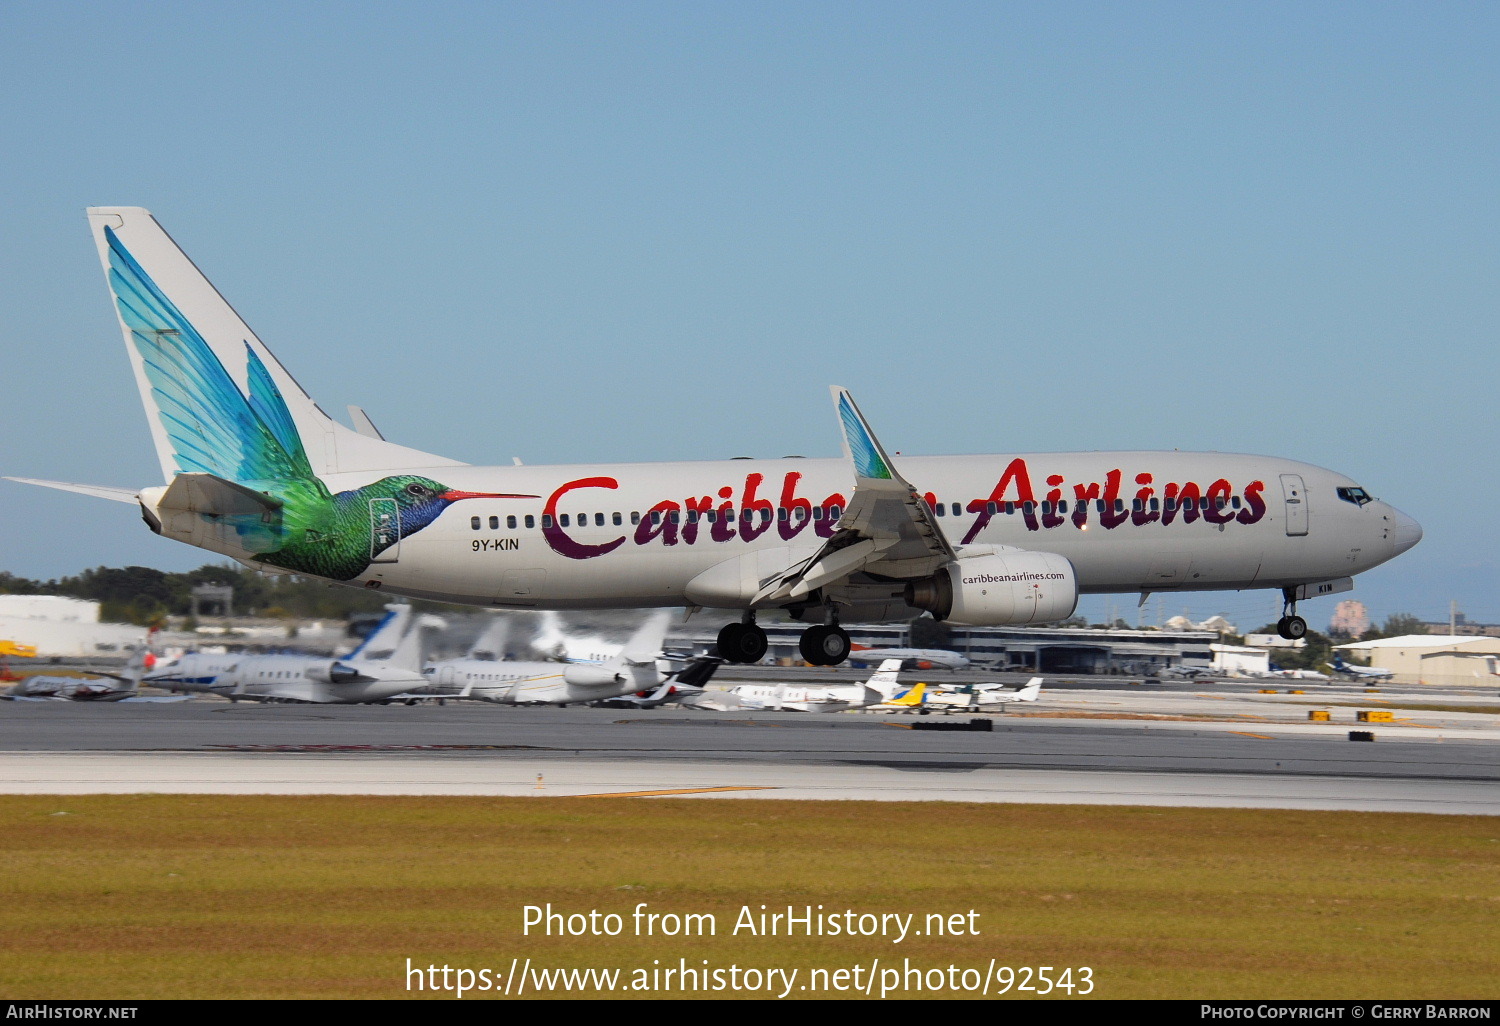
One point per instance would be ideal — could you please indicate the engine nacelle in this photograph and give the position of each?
(1002, 589)
(333, 672)
(591, 675)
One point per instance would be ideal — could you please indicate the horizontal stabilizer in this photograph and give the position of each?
(215, 496)
(97, 491)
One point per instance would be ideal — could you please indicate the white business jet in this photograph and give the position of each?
(254, 469)
(386, 664)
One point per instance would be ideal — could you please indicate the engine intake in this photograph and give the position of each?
(999, 590)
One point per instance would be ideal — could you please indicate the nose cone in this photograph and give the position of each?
(1405, 531)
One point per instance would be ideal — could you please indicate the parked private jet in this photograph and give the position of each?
(1360, 672)
(974, 697)
(255, 470)
(638, 667)
(385, 664)
(99, 686)
(921, 658)
(881, 690)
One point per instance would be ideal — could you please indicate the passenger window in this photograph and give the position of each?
(1062, 507)
(1135, 506)
(1099, 505)
(957, 511)
(546, 520)
(711, 516)
(1010, 507)
(656, 516)
(781, 514)
(990, 508)
(618, 520)
(676, 516)
(494, 523)
(563, 520)
(474, 523)
(599, 519)
(1155, 505)
(1046, 508)
(635, 517)
(1119, 505)
(1235, 502)
(817, 512)
(1029, 507)
(530, 521)
(941, 510)
(837, 512)
(510, 522)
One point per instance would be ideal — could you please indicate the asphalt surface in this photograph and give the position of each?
(1106, 741)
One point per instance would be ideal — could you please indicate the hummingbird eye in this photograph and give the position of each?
(415, 489)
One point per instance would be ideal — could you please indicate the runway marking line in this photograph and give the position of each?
(1244, 733)
(679, 790)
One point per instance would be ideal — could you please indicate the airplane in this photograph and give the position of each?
(255, 470)
(974, 697)
(1185, 672)
(923, 658)
(386, 664)
(1276, 671)
(687, 688)
(638, 667)
(881, 690)
(1360, 672)
(101, 687)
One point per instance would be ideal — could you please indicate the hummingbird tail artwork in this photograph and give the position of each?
(246, 464)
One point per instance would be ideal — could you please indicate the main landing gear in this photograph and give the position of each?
(745, 642)
(824, 644)
(1290, 626)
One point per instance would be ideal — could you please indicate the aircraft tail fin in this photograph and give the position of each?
(409, 650)
(645, 645)
(884, 681)
(492, 640)
(1031, 691)
(698, 671)
(913, 696)
(386, 635)
(218, 401)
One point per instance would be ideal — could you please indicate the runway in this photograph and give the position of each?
(1113, 744)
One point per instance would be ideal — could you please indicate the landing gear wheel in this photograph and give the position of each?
(1293, 628)
(824, 645)
(742, 642)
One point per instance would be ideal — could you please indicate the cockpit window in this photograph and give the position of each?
(1358, 496)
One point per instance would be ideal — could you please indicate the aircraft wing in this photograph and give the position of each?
(886, 528)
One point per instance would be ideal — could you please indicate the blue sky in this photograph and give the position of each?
(592, 231)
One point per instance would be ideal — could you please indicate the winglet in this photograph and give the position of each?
(860, 444)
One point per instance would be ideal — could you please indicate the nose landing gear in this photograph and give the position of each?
(1290, 626)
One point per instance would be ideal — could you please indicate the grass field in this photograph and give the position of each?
(207, 896)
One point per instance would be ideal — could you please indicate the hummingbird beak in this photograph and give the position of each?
(455, 495)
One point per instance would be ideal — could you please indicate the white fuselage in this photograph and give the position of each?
(792, 698)
(532, 683)
(639, 534)
(293, 678)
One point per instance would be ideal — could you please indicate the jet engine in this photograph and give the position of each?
(334, 673)
(1000, 589)
(592, 675)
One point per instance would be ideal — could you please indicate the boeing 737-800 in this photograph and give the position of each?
(255, 470)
